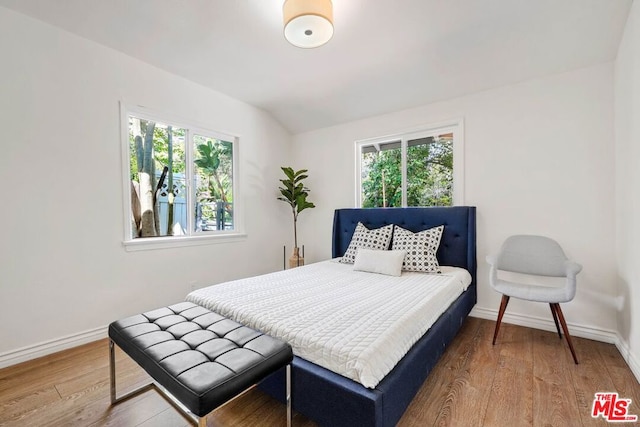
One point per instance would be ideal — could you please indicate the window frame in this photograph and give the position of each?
(454, 126)
(191, 238)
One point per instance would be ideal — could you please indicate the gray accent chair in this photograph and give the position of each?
(538, 256)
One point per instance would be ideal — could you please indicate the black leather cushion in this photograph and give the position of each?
(202, 358)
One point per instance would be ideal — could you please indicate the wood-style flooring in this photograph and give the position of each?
(527, 379)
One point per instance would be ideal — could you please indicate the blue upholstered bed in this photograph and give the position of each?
(333, 400)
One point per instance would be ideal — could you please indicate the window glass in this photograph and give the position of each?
(430, 171)
(181, 180)
(157, 167)
(214, 184)
(382, 175)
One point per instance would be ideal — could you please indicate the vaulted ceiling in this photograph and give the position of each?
(386, 55)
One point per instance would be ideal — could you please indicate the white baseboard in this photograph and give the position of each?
(629, 357)
(545, 324)
(597, 334)
(48, 347)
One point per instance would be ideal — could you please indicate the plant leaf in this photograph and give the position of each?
(288, 172)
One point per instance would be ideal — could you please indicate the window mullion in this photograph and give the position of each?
(190, 182)
(403, 168)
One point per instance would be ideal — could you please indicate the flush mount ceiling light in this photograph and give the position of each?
(308, 23)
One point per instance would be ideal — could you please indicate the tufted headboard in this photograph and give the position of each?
(458, 244)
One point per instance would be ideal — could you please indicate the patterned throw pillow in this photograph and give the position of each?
(377, 238)
(421, 248)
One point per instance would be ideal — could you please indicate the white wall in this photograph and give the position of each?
(627, 131)
(539, 159)
(63, 269)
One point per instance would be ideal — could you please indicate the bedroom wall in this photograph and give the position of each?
(64, 274)
(627, 151)
(538, 159)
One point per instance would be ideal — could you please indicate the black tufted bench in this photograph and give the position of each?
(198, 359)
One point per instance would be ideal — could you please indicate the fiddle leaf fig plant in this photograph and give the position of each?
(295, 194)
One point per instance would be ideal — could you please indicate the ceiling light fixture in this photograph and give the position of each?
(308, 23)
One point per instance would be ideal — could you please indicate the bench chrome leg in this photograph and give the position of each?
(289, 395)
(112, 374)
(199, 421)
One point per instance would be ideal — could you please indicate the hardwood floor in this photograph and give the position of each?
(527, 379)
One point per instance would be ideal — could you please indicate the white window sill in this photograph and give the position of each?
(151, 243)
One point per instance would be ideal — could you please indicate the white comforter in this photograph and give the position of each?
(354, 323)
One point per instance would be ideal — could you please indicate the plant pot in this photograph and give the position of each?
(296, 260)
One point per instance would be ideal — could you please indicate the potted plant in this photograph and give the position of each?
(295, 194)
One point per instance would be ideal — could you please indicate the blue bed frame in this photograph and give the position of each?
(332, 400)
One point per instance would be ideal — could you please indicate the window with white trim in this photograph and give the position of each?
(179, 179)
(417, 168)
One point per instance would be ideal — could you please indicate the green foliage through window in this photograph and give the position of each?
(214, 183)
(429, 172)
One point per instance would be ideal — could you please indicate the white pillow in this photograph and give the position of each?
(421, 248)
(378, 238)
(379, 261)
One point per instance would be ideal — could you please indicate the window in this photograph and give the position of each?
(418, 168)
(180, 180)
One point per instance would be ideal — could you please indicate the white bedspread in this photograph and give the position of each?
(354, 323)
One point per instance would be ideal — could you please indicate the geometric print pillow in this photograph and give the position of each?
(421, 248)
(377, 239)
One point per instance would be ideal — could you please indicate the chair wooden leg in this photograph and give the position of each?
(555, 319)
(566, 331)
(503, 307)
